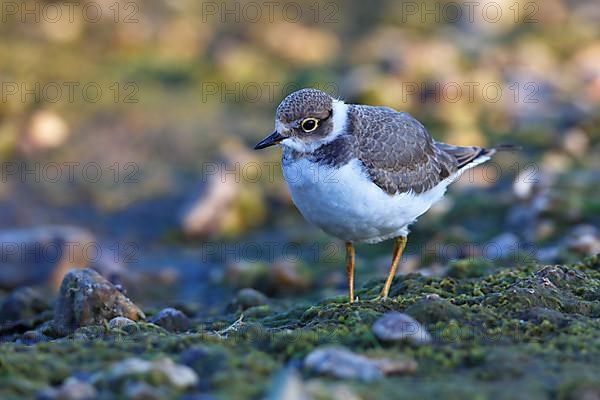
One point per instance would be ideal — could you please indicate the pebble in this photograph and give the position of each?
(340, 362)
(584, 239)
(172, 320)
(249, 297)
(396, 327)
(87, 299)
(33, 337)
(71, 389)
(175, 375)
(120, 322)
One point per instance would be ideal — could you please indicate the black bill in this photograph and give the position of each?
(271, 140)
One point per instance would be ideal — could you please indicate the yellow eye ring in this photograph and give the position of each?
(309, 124)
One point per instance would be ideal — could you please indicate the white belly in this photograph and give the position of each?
(346, 204)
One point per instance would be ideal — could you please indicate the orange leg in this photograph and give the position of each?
(398, 249)
(350, 255)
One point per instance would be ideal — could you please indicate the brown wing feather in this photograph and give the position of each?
(463, 155)
(396, 150)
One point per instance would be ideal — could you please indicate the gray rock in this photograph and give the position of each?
(163, 371)
(32, 337)
(86, 299)
(71, 389)
(172, 320)
(342, 363)
(584, 239)
(396, 327)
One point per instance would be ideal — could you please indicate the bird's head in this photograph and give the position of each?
(305, 120)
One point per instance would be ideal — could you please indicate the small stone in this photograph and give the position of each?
(33, 337)
(584, 239)
(172, 320)
(174, 375)
(87, 299)
(396, 327)
(342, 363)
(249, 297)
(23, 303)
(71, 389)
(120, 322)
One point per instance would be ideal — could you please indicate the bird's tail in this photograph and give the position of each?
(506, 147)
(469, 156)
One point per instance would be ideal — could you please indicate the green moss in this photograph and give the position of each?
(535, 327)
(469, 268)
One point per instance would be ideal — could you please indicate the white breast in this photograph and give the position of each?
(346, 204)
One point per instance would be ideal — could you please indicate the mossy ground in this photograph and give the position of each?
(526, 332)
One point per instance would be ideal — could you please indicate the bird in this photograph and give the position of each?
(363, 173)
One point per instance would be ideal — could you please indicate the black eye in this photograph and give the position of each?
(309, 124)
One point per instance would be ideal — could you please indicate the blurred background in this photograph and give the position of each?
(126, 131)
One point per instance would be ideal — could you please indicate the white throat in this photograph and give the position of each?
(339, 121)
